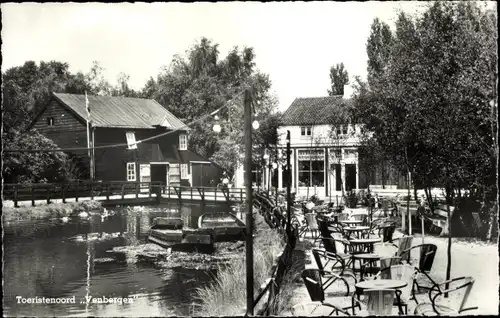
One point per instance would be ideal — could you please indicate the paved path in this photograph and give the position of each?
(476, 259)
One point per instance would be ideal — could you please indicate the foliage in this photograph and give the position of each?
(338, 78)
(199, 83)
(427, 101)
(227, 296)
(30, 167)
(27, 90)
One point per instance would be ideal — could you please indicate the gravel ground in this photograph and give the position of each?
(469, 258)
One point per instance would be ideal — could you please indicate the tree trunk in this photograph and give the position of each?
(448, 253)
(493, 214)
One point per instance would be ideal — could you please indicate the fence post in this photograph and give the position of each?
(32, 195)
(76, 192)
(91, 191)
(15, 197)
(63, 189)
(137, 188)
(191, 193)
(215, 194)
(123, 191)
(107, 191)
(48, 193)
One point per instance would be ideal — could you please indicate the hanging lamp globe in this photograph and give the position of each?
(255, 125)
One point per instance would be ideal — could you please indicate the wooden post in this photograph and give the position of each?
(64, 193)
(249, 203)
(76, 192)
(15, 196)
(137, 189)
(107, 191)
(288, 189)
(32, 195)
(123, 191)
(48, 193)
(91, 190)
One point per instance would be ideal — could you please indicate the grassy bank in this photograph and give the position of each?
(49, 211)
(227, 295)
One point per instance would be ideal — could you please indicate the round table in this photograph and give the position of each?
(356, 230)
(363, 245)
(369, 257)
(351, 222)
(381, 284)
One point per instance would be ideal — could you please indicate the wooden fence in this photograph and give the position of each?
(266, 299)
(116, 190)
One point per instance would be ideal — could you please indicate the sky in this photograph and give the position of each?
(296, 43)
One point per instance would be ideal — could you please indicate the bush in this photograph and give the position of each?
(34, 167)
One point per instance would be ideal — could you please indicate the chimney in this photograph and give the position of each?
(348, 91)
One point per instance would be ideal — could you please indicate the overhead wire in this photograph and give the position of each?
(137, 142)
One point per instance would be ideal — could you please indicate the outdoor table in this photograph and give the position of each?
(351, 222)
(358, 230)
(362, 258)
(363, 245)
(379, 284)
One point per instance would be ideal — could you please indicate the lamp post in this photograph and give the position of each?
(248, 186)
(288, 187)
(247, 129)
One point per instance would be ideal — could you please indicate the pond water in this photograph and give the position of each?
(53, 258)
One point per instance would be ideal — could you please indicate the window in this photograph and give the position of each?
(338, 130)
(131, 140)
(344, 129)
(183, 142)
(184, 171)
(311, 168)
(305, 131)
(131, 173)
(50, 121)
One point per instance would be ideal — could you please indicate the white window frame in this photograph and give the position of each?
(305, 131)
(183, 142)
(131, 171)
(132, 144)
(184, 171)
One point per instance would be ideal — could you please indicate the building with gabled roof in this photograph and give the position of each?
(324, 144)
(122, 120)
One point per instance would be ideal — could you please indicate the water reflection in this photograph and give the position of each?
(57, 259)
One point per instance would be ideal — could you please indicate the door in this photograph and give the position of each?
(350, 176)
(159, 172)
(144, 176)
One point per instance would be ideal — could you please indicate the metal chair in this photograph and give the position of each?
(314, 285)
(460, 284)
(329, 263)
(424, 266)
(311, 226)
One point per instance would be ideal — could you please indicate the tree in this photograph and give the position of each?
(200, 82)
(338, 78)
(378, 48)
(31, 167)
(428, 107)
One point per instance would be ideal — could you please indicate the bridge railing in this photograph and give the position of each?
(48, 191)
(116, 190)
(204, 193)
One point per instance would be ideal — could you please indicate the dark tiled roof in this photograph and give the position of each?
(121, 112)
(315, 110)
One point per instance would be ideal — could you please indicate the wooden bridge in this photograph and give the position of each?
(116, 193)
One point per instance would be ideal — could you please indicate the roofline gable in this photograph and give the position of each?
(60, 102)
